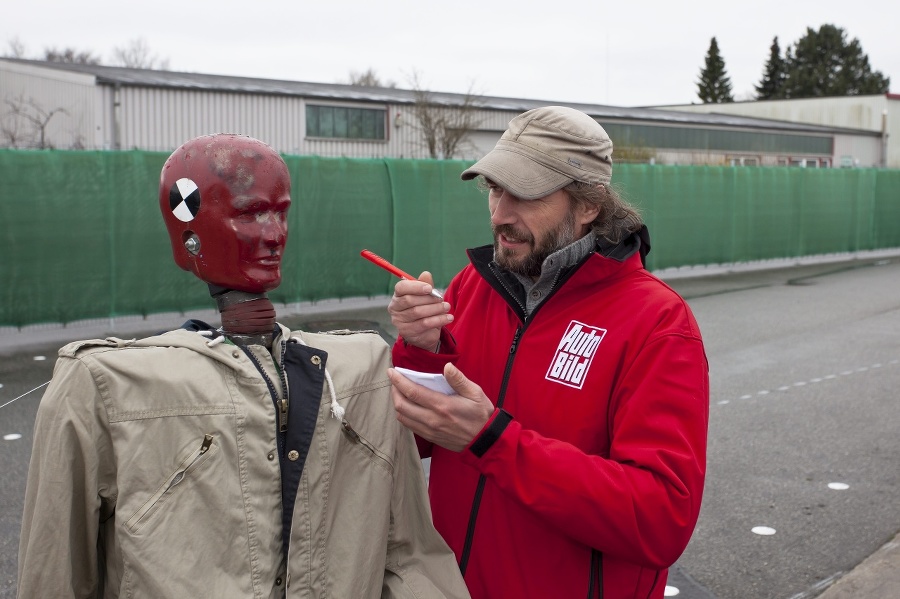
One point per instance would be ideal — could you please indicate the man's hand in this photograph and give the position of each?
(451, 421)
(417, 314)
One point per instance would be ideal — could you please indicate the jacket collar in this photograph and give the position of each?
(607, 260)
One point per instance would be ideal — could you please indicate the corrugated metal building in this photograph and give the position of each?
(879, 114)
(97, 107)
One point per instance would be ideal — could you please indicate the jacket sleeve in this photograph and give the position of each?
(65, 496)
(419, 563)
(642, 501)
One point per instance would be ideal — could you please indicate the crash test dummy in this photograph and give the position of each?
(241, 461)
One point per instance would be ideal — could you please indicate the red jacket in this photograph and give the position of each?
(587, 480)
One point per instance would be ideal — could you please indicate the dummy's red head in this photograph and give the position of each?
(224, 199)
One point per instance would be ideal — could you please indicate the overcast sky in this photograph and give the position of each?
(623, 53)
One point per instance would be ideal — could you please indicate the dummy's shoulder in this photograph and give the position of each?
(177, 338)
(346, 332)
(338, 336)
(87, 346)
(367, 346)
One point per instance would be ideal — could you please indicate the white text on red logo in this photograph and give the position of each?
(574, 354)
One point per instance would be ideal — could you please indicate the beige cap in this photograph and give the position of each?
(545, 149)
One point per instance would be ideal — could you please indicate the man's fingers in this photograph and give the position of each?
(411, 391)
(427, 278)
(460, 382)
(406, 396)
(406, 290)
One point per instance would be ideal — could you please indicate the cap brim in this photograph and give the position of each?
(517, 174)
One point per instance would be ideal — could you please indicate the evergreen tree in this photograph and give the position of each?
(824, 63)
(772, 85)
(714, 86)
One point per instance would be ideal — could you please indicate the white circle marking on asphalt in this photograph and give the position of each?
(12, 437)
(671, 591)
(762, 530)
(838, 486)
(40, 358)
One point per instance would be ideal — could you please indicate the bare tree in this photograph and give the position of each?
(16, 48)
(70, 55)
(369, 78)
(445, 127)
(137, 55)
(12, 134)
(25, 123)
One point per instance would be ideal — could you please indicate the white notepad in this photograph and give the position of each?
(436, 382)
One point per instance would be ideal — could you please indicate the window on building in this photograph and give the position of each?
(743, 160)
(343, 122)
(809, 162)
(689, 138)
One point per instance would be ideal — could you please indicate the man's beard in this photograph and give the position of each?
(530, 265)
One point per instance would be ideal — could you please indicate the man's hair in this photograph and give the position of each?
(616, 220)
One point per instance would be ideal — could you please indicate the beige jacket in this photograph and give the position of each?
(155, 474)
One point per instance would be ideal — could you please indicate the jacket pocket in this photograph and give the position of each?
(190, 464)
(360, 442)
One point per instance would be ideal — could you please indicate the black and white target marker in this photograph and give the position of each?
(184, 200)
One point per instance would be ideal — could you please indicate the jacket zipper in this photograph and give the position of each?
(595, 575)
(355, 437)
(281, 405)
(281, 410)
(136, 521)
(204, 447)
(498, 284)
(482, 479)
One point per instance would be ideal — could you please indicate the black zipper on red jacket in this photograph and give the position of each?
(482, 479)
(595, 585)
(484, 269)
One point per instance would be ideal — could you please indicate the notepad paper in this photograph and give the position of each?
(436, 382)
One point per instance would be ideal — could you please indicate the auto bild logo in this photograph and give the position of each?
(574, 354)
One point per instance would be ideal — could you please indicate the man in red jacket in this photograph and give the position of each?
(570, 460)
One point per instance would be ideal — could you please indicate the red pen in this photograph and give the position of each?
(379, 261)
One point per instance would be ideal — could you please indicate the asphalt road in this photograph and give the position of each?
(804, 414)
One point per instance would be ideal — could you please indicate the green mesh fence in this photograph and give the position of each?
(82, 236)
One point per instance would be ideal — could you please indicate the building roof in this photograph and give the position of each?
(108, 75)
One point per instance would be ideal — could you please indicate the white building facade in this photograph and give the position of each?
(878, 114)
(69, 106)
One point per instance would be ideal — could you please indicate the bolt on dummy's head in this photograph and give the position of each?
(224, 199)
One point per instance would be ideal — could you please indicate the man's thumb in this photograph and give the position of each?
(427, 278)
(460, 383)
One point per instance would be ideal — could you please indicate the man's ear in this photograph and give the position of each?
(585, 213)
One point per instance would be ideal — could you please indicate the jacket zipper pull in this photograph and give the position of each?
(283, 416)
(515, 342)
(204, 447)
(354, 436)
(207, 441)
